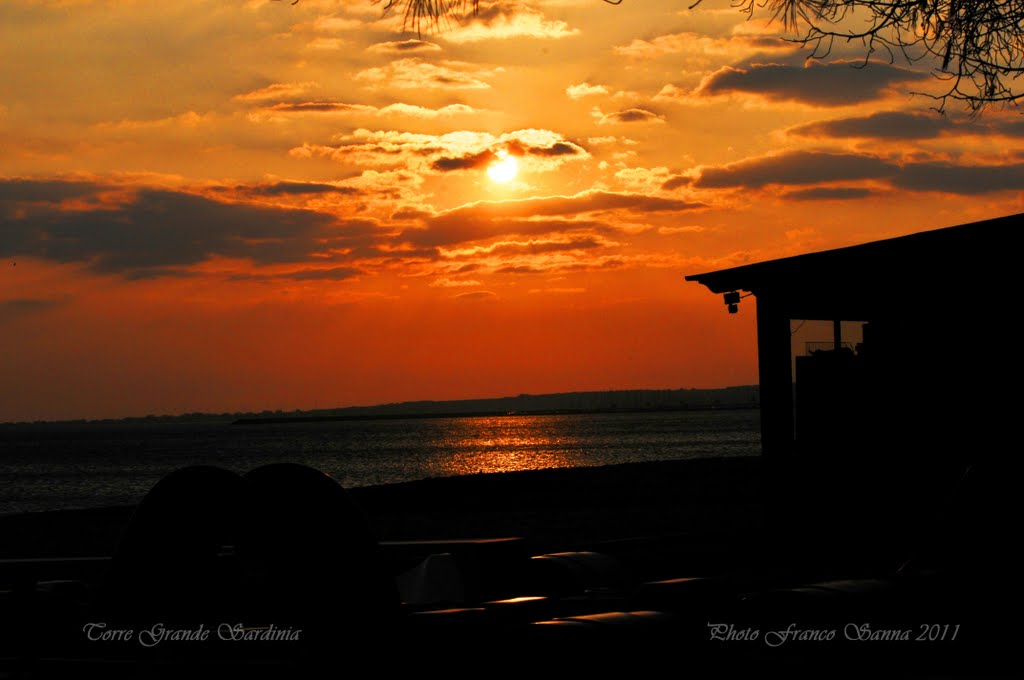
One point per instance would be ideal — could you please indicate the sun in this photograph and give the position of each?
(503, 169)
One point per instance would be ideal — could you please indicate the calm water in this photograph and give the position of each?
(76, 466)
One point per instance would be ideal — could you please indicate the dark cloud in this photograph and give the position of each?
(477, 295)
(319, 107)
(158, 273)
(835, 83)
(807, 168)
(405, 214)
(30, 190)
(469, 226)
(411, 46)
(676, 182)
(594, 201)
(797, 167)
(149, 232)
(609, 263)
(467, 162)
(289, 189)
(483, 220)
(332, 274)
(885, 125)
(490, 12)
(632, 116)
(1011, 128)
(514, 147)
(829, 193)
(19, 307)
(519, 269)
(557, 149)
(543, 246)
(960, 179)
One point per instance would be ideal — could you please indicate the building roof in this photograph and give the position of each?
(931, 268)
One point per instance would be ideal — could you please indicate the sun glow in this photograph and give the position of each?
(503, 169)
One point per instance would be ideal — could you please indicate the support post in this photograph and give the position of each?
(775, 372)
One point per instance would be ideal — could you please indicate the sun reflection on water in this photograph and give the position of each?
(508, 444)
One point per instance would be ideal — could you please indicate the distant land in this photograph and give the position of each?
(746, 396)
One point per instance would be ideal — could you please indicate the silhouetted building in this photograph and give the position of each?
(925, 378)
(906, 440)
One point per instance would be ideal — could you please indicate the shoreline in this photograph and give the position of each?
(274, 420)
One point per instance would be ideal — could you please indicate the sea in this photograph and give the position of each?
(81, 465)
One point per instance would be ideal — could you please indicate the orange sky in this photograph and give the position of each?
(244, 205)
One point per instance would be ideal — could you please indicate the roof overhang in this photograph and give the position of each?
(932, 268)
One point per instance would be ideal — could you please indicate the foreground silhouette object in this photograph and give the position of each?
(281, 546)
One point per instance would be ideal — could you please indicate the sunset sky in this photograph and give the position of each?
(245, 205)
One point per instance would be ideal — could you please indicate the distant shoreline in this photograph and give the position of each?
(558, 403)
(267, 420)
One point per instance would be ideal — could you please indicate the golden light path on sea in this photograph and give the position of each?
(509, 444)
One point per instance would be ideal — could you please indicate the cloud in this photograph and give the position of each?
(414, 111)
(676, 182)
(541, 150)
(829, 194)
(335, 24)
(414, 73)
(189, 119)
(328, 274)
(634, 115)
(548, 267)
(532, 247)
(477, 295)
(288, 189)
(836, 83)
(407, 213)
(886, 125)
(42, 191)
(13, 308)
(798, 168)
(326, 44)
(583, 202)
(795, 167)
(701, 47)
(964, 180)
(131, 230)
(505, 20)
(396, 109)
(453, 283)
(466, 162)
(411, 46)
(585, 90)
(513, 146)
(558, 291)
(276, 91)
(320, 107)
(643, 180)
(690, 229)
(534, 216)
(672, 93)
